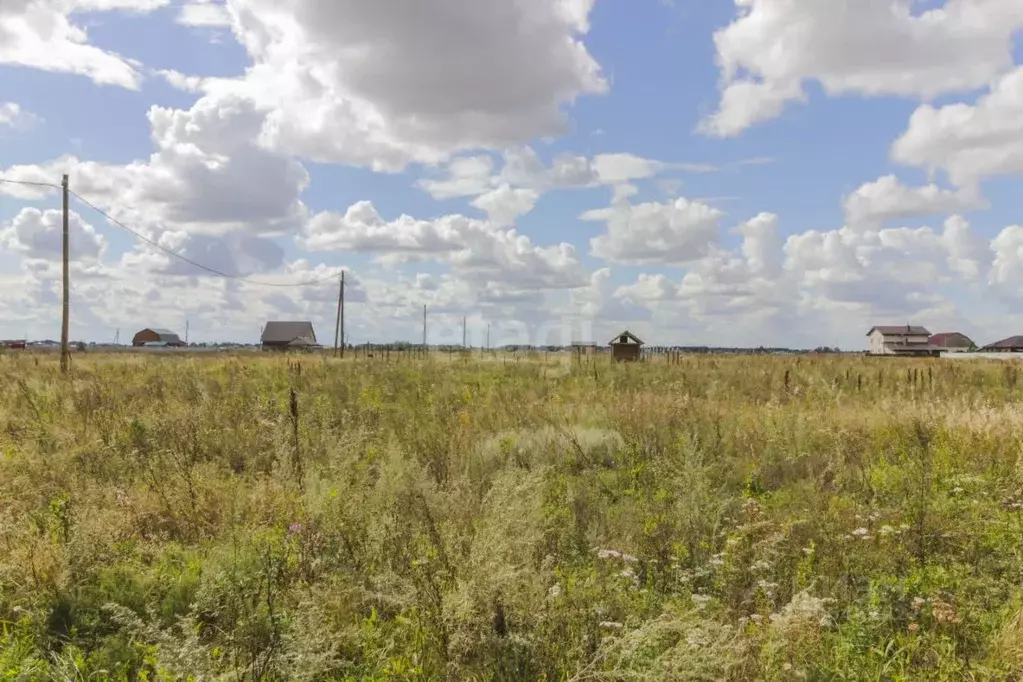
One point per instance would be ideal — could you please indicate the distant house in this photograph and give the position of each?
(952, 342)
(1013, 344)
(164, 336)
(625, 347)
(902, 340)
(13, 344)
(584, 347)
(288, 335)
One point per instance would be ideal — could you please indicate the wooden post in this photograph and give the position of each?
(341, 315)
(65, 316)
(337, 323)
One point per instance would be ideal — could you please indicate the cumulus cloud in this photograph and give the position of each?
(39, 34)
(654, 233)
(14, 117)
(39, 234)
(887, 198)
(475, 249)
(774, 47)
(205, 14)
(969, 142)
(208, 176)
(415, 81)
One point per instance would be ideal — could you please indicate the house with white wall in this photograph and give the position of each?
(900, 340)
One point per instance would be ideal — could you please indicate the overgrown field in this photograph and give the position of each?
(742, 518)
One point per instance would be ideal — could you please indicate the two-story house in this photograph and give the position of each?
(902, 340)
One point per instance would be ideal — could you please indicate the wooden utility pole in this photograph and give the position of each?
(339, 327)
(424, 327)
(64, 351)
(463, 331)
(488, 336)
(342, 315)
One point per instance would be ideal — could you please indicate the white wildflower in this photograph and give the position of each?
(611, 625)
(860, 532)
(608, 554)
(555, 590)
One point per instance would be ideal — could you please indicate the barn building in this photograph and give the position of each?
(952, 342)
(626, 347)
(164, 337)
(288, 335)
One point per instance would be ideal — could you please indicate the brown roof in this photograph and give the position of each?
(1011, 342)
(951, 340)
(909, 330)
(286, 332)
(627, 334)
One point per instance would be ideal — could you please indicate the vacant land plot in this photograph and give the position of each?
(721, 518)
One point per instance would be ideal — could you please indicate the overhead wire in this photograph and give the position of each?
(170, 252)
(30, 183)
(214, 271)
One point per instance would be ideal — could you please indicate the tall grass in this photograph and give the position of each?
(720, 518)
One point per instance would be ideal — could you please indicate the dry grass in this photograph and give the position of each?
(723, 518)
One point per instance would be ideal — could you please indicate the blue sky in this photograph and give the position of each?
(784, 173)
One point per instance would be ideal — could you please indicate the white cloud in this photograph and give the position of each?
(504, 205)
(208, 176)
(970, 143)
(522, 168)
(872, 48)
(38, 234)
(476, 250)
(204, 13)
(39, 34)
(651, 233)
(416, 80)
(888, 199)
(14, 117)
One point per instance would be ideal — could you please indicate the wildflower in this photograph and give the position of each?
(874, 615)
(917, 603)
(555, 590)
(295, 528)
(608, 554)
(629, 558)
(700, 601)
(756, 618)
(825, 621)
(611, 625)
(808, 551)
(885, 531)
(860, 532)
(716, 560)
(760, 566)
(914, 628)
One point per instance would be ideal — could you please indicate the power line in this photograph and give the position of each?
(177, 255)
(30, 183)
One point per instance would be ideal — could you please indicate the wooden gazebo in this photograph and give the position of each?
(625, 347)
